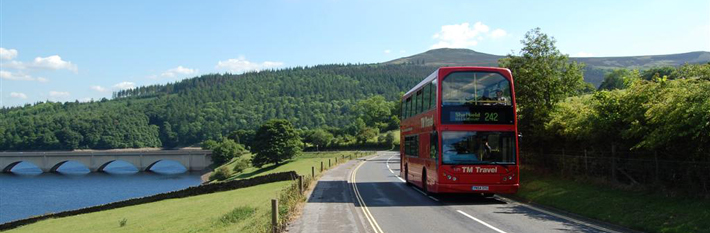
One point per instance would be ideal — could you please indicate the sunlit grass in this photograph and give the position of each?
(649, 212)
(216, 212)
(301, 164)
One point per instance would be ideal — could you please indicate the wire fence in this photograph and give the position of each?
(648, 169)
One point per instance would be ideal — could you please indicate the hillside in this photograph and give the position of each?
(212, 106)
(594, 71)
(205, 107)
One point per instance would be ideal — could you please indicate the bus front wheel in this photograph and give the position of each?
(424, 185)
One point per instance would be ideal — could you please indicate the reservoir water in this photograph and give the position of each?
(28, 192)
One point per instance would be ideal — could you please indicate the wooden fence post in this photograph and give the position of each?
(328, 163)
(564, 161)
(586, 164)
(613, 162)
(336, 160)
(313, 171)
(274, 215)
(321, 166)
(655, 157)
(300, 184)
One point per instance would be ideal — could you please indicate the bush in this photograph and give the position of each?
(241, 165)
(226, 150)
(209, 144)
(221, 173)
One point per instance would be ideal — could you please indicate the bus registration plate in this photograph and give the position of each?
(479, 188)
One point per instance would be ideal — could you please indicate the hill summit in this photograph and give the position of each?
(595, 68)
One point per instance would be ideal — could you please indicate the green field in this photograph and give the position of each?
(192, 214)
(240, 210)
(645, 211)
(301, 164)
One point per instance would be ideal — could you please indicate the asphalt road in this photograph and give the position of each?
(367, 195)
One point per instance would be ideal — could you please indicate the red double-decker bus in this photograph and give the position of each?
(459, 132)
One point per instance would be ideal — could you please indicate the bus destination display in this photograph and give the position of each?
(476, 115)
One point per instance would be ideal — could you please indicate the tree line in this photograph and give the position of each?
(663, 109)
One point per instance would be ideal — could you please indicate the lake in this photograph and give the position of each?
(28, 192)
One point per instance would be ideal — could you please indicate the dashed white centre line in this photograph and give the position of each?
(479, 221)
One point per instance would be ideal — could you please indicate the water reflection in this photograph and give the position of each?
(168, 167)
(73, 168)
(26, 169)
(120, 167)
(28, 191)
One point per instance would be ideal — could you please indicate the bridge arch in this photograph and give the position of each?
(149, 168)
(9, 167)
(58, 165)
(104, 165)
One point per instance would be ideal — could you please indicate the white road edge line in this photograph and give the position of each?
(400, 178)
(388, 167)
(508, 200)
(366, 212)
(479, 221)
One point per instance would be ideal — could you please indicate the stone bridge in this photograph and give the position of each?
(96, 161)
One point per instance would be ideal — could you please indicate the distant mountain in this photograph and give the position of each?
(594, 72)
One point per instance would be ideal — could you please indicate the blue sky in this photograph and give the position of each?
(69, 50)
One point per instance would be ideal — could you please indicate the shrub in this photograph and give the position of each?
(209, 144)
(226, 150)
(123, 222)
(221, 173)
(241, 165)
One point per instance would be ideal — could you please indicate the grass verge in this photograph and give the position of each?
(301, 164)
(651, 212)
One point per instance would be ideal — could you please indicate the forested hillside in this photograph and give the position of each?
(206, 107)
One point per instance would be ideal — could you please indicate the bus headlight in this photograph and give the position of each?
(449, 176)
(454, 178)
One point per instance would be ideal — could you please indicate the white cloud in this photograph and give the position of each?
(99, 88)
(59, 94)
(53, 62)
(402, 51)
(387, 51)
(18, 95)
(87, 99)
(464, 35)
(17, 76)
(180, 70)
(498, 33)
(240, 65)
(13, 65)
(7, 54)
(125, 85)
(583, 54)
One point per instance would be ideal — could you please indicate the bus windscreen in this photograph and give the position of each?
(481, 147)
